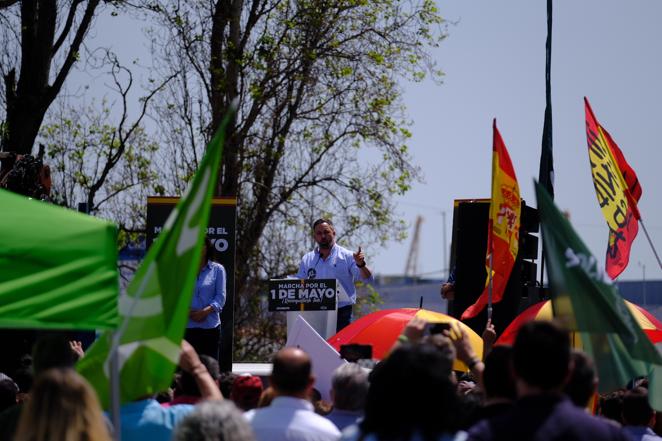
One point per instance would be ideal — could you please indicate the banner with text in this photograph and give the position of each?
(302, 295)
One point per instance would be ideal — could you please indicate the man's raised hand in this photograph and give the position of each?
(359, 258)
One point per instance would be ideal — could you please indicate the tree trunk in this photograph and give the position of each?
(28, 101)
(25, 102)
(224, 86)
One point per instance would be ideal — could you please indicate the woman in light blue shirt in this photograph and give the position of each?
(203, 330)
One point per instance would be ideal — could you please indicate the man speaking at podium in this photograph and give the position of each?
(331, 261)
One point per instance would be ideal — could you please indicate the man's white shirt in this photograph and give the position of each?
(290, 419)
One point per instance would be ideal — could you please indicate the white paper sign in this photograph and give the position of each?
(324, 357)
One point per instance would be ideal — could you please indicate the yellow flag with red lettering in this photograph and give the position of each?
(502, 227)
(618, 191)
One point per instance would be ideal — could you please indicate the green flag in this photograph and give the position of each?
(58, 267)
(584, 297)
(154, 310)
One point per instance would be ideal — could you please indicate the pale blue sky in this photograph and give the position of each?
(494, 62)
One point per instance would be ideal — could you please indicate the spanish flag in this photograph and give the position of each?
(618, 191)
(502, 227)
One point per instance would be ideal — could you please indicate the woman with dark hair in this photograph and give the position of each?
(203, 330)
(411, 398)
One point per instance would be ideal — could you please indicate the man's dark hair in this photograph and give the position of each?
(52, 351)
(212, 366)
(411, 393)
(322, 221)
(611, 405)
(498, 379)
(581, 386)
(186, 382)
(541, 354)
(225, 382)
(289, 376)
(210, 249)
(636, 410)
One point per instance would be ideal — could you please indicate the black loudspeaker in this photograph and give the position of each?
(468, 248)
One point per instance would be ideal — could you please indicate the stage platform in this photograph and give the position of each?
(258, 369)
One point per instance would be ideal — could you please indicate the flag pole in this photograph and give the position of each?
(546, 173)
(489, 288)
(641, 221)
(115, 387)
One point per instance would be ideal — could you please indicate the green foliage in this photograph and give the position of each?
(368, 300)
(91, 162)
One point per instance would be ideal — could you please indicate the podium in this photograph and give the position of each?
(316, 300)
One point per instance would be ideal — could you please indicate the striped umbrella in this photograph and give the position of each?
(543, 311)
(382, 328)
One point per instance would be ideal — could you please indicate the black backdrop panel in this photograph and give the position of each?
(222, 232)
(468, 249)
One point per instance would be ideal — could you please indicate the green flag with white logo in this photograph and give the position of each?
(586, 300)
(58, 267)
(154, 309)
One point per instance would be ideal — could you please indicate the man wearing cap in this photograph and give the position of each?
(331, 261)
(246, 391)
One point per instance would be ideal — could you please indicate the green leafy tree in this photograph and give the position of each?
(317, 83)
(101, 156)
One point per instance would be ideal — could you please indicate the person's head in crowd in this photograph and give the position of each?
(267, 397)
(583, 381)
(23, 377)
(246, 391)
(225, 382)
(212, 366)
(25, 361)
(63, 406)
(291, 373)
(185, 386)
(208, 252)
(214, 421)
(636, 409)
(349, 387)
(52, 351)
(498, 380)
(541, 358)
(470, 404)
(165, 396)
(185, 382)
(611, 405)
(445, 347)
(411, 392)
(8, 392)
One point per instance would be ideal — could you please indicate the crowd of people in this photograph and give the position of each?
(538, 389)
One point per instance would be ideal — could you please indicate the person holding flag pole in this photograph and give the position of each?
(502, 229)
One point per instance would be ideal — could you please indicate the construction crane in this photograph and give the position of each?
(411, 268)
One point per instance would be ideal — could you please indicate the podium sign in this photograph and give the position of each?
(302, 295)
